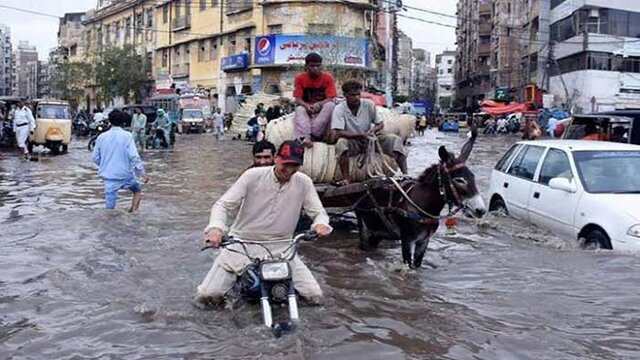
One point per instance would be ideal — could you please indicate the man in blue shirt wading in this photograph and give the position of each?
(118, 162)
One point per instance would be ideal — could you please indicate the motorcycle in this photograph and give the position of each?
(157, 140)
(81, 126)
(99, 127)
(7, 136)
(268, 280)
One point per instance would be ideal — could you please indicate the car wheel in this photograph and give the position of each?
(596, 239)
(498, 205)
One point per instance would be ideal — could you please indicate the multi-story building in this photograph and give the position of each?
(420, 69)
(445, 64)
(535, 40)
(595, 45)
(506, 44)
(405, 56)
(473, 58)
(37, 80)
(5, 61)
(24, 57)
(230, 47)
(70, 35)
(115, 24)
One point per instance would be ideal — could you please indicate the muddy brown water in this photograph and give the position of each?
(76, 282)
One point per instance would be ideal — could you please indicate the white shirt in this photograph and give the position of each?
(23, 116)
(263, 208)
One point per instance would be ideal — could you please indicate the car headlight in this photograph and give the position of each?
(634, 231)
(275, 270)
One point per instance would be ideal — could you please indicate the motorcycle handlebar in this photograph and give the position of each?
(227, 240)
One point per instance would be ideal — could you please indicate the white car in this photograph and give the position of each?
(585, 190)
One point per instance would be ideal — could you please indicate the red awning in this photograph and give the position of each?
(503, 109)
(377, 99)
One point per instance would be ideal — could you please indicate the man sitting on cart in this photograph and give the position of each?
(353, 120)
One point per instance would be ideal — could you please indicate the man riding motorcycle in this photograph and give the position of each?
(163, 122)
(266, 202)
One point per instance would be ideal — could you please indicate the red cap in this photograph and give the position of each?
(291, 152)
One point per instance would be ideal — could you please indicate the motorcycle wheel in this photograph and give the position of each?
(92, 144)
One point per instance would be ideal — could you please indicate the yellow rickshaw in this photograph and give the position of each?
(53, 125)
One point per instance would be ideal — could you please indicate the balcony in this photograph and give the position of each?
(180, 70)
(181, 22)
(484, 29)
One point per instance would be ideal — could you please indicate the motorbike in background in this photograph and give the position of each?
(99, 127)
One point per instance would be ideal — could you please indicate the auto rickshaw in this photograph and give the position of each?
(53, 125)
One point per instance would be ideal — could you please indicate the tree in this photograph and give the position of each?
(121, 72)
(67, 79)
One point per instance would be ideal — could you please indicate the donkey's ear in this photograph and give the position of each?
(444, 154)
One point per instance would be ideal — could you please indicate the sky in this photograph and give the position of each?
(41, 31)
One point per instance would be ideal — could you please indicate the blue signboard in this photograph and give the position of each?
(235, 62)
(292, 49)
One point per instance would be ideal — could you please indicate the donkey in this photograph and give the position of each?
(416, 214)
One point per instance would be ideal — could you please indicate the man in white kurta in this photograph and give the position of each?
(23, 125)
(264, 204)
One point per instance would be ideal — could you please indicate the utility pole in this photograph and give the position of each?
(388, 41)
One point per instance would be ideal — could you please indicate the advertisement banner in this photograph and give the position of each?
(292, 49)
(235, 62)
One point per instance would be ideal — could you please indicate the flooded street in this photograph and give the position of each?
(76, 282)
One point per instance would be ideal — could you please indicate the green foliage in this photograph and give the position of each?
(67, 79)
(121, 72)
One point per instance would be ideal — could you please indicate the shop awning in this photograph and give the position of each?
(504, 109)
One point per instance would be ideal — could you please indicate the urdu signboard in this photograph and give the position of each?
(292, 49)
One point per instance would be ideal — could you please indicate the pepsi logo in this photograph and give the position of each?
(264, 46)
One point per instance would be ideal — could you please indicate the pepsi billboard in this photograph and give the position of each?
(292, 49)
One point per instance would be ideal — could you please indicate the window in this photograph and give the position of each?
(526, 162)
(139, 21)
(449, 70)
(203, 5)
(178, 8)
(201, 51)
(274, 29)
(165, 57)
(150, 18)
(504, 162)
(165, 13)
(213, 49)
(214, 3)
(187, 7)
(556, 164)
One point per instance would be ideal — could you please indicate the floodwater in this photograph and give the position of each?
(76, 282)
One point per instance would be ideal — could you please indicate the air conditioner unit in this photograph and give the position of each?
(594, 13)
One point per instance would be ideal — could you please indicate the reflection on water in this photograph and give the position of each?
(78, 282)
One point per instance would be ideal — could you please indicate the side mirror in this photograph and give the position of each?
(563, 184)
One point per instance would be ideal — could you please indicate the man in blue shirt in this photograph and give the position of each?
(118, 162)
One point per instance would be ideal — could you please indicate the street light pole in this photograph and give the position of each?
(388, 41)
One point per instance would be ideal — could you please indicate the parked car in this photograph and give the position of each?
(588, 191)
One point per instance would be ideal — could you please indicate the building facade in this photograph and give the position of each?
(506, 43)
(113, 24)
(420, 66)
(473, 58)
(70, 34)
(595, 45)
(445, 92)
(37, 79)
(24, 58)
(5, 61)
(405, 58)
(226, 48)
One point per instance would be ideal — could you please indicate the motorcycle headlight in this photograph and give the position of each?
(275, 270)
(634, 231)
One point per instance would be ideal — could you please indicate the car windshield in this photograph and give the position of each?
(192, 114)
(609, 171)
(50, 111)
